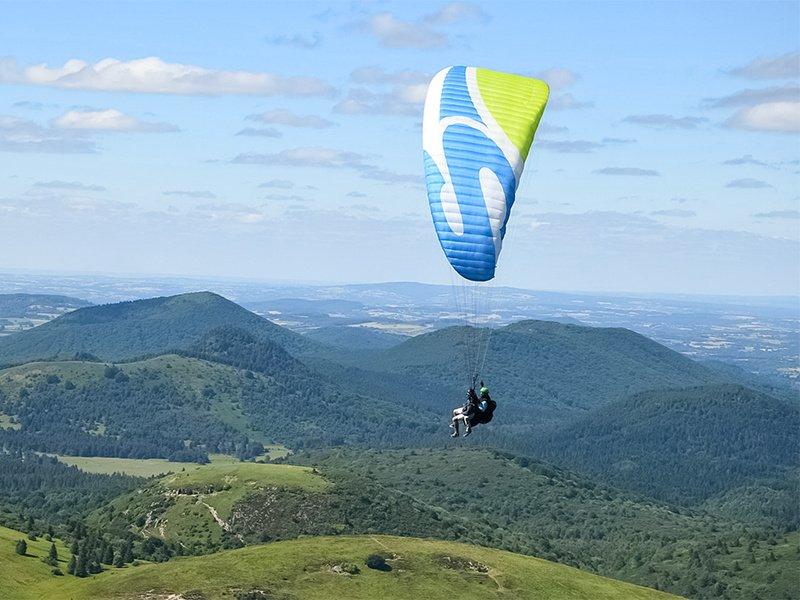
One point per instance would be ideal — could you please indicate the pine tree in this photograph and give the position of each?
(118, 562)
(127, 552)
(80, 567)
(53, 555)
(71, 565)
(108, 555)
(22, 547)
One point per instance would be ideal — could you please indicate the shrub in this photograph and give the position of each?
(378, 562)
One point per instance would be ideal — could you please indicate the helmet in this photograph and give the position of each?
(484, 391)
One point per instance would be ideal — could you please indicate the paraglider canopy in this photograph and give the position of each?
(477, 129)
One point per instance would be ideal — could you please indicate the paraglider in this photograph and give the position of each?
(477, 129)
(475, 411)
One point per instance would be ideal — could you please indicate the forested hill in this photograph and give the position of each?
(683, 445)
(37, 305)
(549, 371)
(129, 329)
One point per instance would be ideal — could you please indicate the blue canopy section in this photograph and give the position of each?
(472, 252)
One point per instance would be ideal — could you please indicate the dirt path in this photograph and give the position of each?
(215, 515)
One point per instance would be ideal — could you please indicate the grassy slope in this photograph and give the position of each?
(301, 569)
(195, 491)
(560, 516)
(150, 467)
(19, 573)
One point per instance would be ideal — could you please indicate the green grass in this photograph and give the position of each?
(192, 506)
(19, 573)
(138, 467)
(229, 482)
(302, 569)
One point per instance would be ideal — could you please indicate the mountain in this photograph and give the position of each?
(543, 373)
(682, 445)
(38, 306)
(131, 329)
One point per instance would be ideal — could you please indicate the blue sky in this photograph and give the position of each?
(281, 141)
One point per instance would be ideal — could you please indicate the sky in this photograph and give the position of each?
(282, 141)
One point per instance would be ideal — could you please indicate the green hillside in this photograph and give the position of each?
(683, 445)
(129, 329)
(323, 568)
(350, 337)
(545, 372)
(201, 509)
(19, 575)
(193, 508)
(229, 392)
(169, 406)
(533, 508)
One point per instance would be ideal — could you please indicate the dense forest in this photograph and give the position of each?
(683, 445)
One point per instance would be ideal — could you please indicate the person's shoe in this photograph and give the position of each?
(468, 431)
(454, 434)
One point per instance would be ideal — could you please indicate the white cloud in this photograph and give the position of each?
(567, 102)
(204, 194)
(778, 214)
(661, 121)
(674, 212)
(281, 184)
(748, 183)
(628, 171)
(558, 78)
(108, 120)
(233, 212)
(378, 75)
(568, 147)
(21, 135)
(423, 33)
(455, 12)
(779, 117)
(270, 132)
(789, 92)
(785, 66)
(154, 76)
(307, 156)
(326, 158)
(646, 253)
(284, 197)
(400, 100)
(548, 128)
(288, 118)
(69, 186)
(579, 146)
(389, 93)
(396, 33)
(298, 40)
(747, 159)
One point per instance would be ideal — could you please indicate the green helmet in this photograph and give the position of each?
(484, 391)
